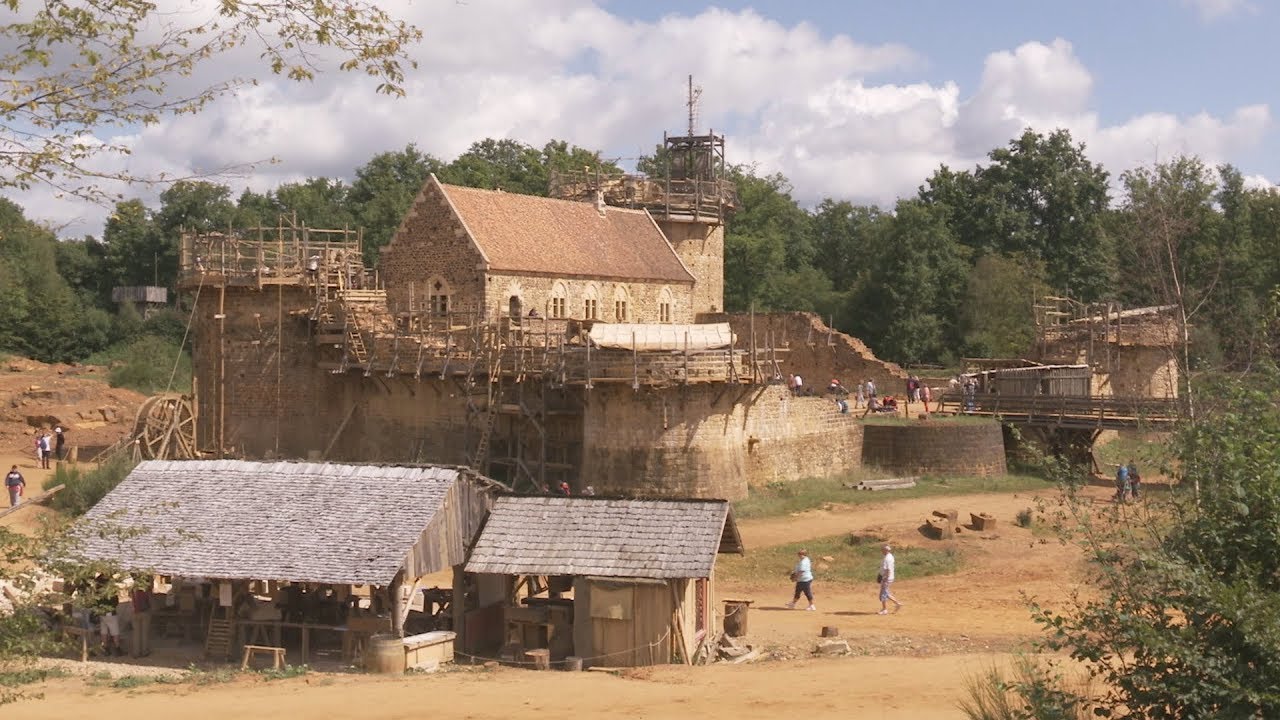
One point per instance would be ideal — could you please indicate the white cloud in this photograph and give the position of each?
(791, 98)
(1214, 9)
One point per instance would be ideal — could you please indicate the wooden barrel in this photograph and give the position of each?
(735, 618)
(386, 655)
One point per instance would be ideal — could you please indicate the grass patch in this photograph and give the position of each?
(855, 561)
(784, 498)
(197, 676)
(1152, 453)
(28, 676)
(288, 671)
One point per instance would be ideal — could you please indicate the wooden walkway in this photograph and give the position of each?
(1094, 412)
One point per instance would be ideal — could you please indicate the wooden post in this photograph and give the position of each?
(458, 606)
(222, 365)
(398, 604)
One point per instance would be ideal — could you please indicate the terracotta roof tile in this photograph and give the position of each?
(526, 233)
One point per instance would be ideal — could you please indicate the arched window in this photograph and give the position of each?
(665, 304)
(591, 302)
(558, 305)
(621, 299)
(439, 296)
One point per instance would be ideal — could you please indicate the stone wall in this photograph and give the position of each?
(1139, 372)
(701, 248)
(432, 244)
(273, 387)
(711, 441)
(643, 299)
(808, 347)
(935, 448)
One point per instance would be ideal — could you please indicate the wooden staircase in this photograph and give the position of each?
(220, 637)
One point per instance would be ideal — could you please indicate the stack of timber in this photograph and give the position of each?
(901, 483)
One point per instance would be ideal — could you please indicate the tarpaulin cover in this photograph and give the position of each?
(712, 336)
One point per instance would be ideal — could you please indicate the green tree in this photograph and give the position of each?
(1041, 197)
(504, 164)
(81, 264)
(1183, 616)
(40, 315)
(317, 202)
(134, 246)
(384, 190)
(908, 309)
(997, 314)
(844, 239)
(72, 66)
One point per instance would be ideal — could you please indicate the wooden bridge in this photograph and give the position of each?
(1074, 412)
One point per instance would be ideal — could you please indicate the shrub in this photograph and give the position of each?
(83, 489)
(1024, 517)
(146, 365)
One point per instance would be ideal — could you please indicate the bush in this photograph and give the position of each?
(1032, 694)
(146, 365)
(1024, 517)
(83, 490)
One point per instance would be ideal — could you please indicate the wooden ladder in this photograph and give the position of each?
(486, 430)
(355, 341)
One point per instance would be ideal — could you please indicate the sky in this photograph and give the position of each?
(849, 99)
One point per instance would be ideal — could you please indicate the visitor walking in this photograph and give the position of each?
(59, 443)
(802, 575)
(886, 577)
(1135, 481)
(46, 449)
(871, 389)
(926, 396)
(14, 483)
(860, 398)
(1122, 483)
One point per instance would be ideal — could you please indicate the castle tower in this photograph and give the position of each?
(690, 201)
(697, 199)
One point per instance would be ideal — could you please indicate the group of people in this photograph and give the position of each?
(802, 576)
(101, 612)
(1128, 482)
(50, 444)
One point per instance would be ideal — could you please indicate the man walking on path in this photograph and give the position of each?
(803, 577)
(886, 578)
(46, 449)
(14, 483)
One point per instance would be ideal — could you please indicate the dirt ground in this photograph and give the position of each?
(912, 664)
(35, 396)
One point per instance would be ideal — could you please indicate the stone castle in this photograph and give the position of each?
(577, 339)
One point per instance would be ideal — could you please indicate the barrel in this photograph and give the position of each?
(735, 617)
(386, 655)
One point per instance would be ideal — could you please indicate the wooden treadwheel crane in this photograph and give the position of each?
(165, 428)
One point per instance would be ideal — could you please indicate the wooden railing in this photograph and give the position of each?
(1101, 411)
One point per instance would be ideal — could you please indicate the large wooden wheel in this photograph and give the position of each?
(165, 428)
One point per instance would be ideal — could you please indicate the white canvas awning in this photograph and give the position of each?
(712, 336)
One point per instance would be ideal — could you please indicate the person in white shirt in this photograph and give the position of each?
(802, 574)
(886, 579)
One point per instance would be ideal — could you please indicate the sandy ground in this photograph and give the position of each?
(912, 664)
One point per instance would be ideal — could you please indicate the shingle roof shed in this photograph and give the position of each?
(607, 537)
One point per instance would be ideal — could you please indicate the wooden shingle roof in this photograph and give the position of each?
(530, 234)
(232, 519)
(608, 537)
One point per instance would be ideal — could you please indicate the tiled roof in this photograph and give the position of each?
(303, 522)
(557, 535)
(526, 233)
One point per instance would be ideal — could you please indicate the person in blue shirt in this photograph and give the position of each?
(803, 577)
(1122, 483)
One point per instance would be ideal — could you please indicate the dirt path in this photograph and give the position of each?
(913, 664)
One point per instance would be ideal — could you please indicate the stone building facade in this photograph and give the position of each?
(503, 254)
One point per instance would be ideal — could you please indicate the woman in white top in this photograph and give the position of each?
(803, 576)
(886, 579)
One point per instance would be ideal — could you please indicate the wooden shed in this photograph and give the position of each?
(1055, 380)
(250, 536)
(641, 573)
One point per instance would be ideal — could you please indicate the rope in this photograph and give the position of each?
(178, 360)
(650, 647)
